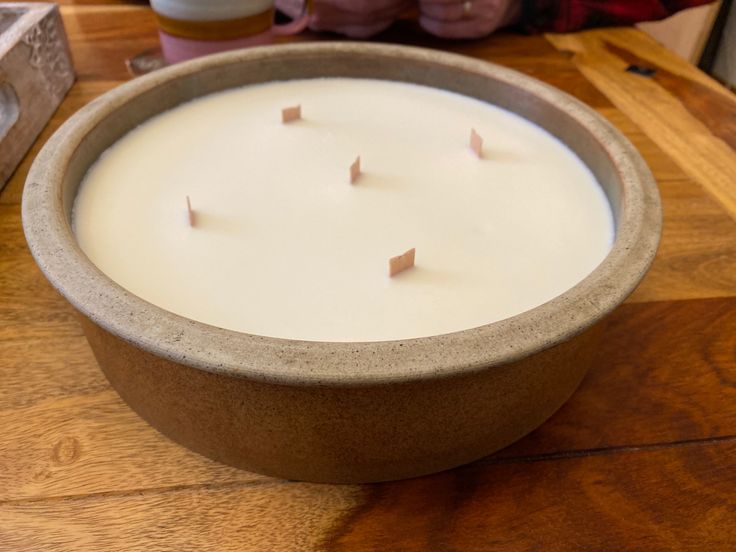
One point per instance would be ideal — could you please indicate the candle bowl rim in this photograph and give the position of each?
(295, 362)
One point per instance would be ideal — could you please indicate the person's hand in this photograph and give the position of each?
(354, 18)
(467, 18)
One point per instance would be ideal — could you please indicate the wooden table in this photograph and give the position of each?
(642, 457)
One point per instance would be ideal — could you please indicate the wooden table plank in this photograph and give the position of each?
(90, 443)
(697, 254)
(651, 52)
(27, 365)
(102, 37)
(29, 307)
(651, 499)
(662, 166)
(665, 373)
(668, 113)
(663, 499)
(273, 516)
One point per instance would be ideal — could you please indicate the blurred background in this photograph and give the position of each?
(705, 36)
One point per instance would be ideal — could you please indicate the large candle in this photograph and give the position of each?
(285, 246)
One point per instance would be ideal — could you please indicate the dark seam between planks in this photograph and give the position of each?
(567, 455)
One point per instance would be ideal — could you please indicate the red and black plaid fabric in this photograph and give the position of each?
(570, 15)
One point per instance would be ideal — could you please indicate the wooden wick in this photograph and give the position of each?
(355, 170)
(401, 262)
(476, 143)
(190, 212)
(289, 114)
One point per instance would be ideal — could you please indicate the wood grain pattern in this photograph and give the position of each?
(662, 499)
(660, 111)
(662, 166)
(665, 373)
(697, 254)
(272, 516)
(29, 307)
(665, 498)
(103, 37)
(93, 443)
(703, 102)
(641, 458)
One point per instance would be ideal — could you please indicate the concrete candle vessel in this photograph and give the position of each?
(341, 412)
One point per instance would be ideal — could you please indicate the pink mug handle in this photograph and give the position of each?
(296, 26)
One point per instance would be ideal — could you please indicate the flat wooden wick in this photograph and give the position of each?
(355, 170)
(289, 114)
(476, 143)
(401, 262)
(190, 212)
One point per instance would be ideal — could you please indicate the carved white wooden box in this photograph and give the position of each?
(35, 74)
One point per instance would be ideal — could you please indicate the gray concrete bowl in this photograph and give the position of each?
(341, 412)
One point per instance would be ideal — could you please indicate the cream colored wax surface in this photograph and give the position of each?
(285, 246)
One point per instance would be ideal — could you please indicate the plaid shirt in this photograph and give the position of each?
(570, 15)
